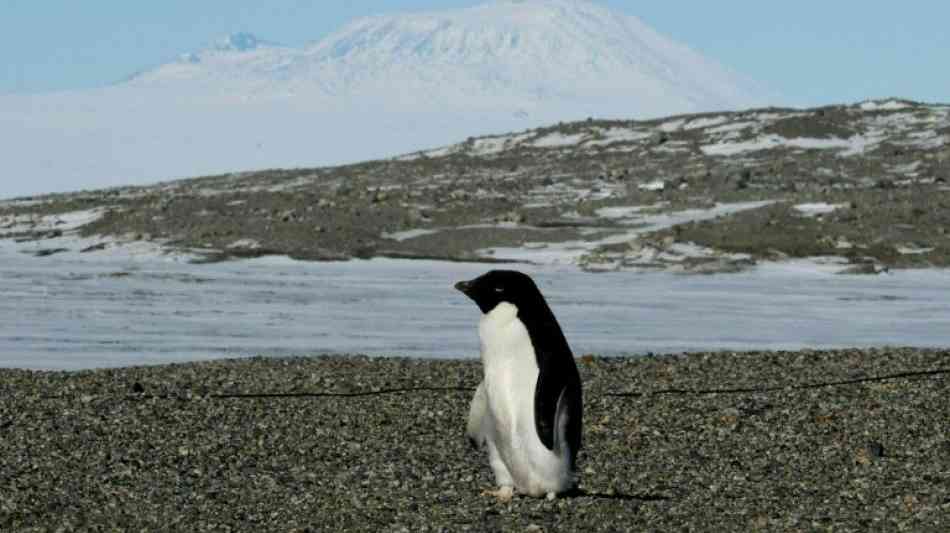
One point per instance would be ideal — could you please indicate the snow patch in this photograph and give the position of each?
(66, 240)
(656, 185)
(913, 249)
(245, 244)
(22, 203)
(627, 211)
(617, 135)
(123, 248)
(62, 222)
(732, 127)
(886, 105)
(820, 208)
(494, 145)
(907, 169)
(706, 122)
(861, 144)
(572, 252)
(409, 234)
(554, 140)
(672, 125)
(767, 142)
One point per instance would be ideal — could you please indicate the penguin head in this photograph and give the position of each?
(497, 286)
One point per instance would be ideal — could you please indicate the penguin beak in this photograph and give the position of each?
(464, 286)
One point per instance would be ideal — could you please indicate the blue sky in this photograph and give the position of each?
(813, 52)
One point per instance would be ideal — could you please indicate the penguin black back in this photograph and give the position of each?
(557, 372)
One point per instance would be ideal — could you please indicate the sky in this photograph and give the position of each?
(811, 52)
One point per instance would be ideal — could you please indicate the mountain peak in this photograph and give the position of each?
(235, 43)
(570, 58)
(531, 51)
(507, 14)
(238, 42)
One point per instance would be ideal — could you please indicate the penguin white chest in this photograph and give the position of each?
(511, 374)
(511, 371)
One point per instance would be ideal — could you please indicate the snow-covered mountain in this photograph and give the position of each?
(378, 87)
(524, 55)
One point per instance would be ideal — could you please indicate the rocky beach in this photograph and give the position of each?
(846, 440)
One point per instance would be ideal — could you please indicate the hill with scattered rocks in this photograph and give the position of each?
(706, 192)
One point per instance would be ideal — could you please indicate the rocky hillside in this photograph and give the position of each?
(705, 192)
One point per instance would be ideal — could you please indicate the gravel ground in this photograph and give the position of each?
(722, 441)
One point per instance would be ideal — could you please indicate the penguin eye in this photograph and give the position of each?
(499, 289)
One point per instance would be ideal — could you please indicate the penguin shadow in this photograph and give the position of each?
(583, 493)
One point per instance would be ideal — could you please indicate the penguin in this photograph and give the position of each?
(527, 410)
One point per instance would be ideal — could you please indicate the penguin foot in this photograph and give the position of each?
(504, 494)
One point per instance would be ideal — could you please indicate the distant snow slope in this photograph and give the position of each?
(378, 87)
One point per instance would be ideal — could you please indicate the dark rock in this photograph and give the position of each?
(365, 250)
(869, 267)
(511, 216)
(875, 449)
(94, 248)
(49, 251)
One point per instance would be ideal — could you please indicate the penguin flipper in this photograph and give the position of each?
(567, 423)
(547, 392)
(475, 432)
(558, 411)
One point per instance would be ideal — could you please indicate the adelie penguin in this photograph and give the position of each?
(527, 410)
